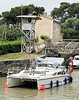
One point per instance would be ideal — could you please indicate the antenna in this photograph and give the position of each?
(21, 29)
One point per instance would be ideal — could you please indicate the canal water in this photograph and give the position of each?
(66, 92)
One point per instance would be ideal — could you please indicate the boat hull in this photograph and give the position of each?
(54, 81)
(49, 82)
(14, 82)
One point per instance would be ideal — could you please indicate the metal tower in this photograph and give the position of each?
(27, 27)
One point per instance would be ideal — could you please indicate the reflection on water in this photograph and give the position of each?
(66, 92)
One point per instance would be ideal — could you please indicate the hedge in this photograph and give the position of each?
(10, 47)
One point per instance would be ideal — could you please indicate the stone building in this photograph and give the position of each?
(48, 26)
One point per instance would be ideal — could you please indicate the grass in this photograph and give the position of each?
(11, 56)
(18, 56)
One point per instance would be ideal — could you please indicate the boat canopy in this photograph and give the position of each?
(51, 60)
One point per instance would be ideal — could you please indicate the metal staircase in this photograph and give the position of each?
(27, 44)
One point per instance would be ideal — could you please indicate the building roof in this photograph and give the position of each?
(28, 16)
(38, 17)
(50, 18)
(45, 16)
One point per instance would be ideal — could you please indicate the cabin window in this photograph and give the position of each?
(61, 73)
(76, 58)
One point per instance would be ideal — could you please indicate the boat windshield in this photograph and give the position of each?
(76, 58)
(48, 65)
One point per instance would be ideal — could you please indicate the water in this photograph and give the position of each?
(66, 92)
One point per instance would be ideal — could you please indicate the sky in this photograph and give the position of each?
(6, 5)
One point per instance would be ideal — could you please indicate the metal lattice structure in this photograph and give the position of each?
(27, 44)
(28, 32)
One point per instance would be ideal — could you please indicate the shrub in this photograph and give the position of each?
(44, 37)
(1, 31)
(13, 34)
(10, 47)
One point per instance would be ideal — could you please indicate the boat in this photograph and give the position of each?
(76, 61)
(46, 74)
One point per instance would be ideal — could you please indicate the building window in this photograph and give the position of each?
(29, 20)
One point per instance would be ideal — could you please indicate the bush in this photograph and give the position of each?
(10, 47)
(9, 34)
(13, 34)
(1, 31)
(44, 37)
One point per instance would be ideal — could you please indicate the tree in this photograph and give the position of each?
(10, 17)
(28, 9)
(4, 32)
(70, 28)
(68, 14)
(6, 15)
(65, 11)
(13, 34)
(61, 13)
(38, 10)
(74, 10)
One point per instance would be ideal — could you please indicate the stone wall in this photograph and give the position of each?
(14, 65)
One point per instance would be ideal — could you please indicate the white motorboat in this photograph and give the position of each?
(76, 61)
(45, 75)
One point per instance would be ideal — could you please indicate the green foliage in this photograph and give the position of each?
(45, 38)
(1, 31)
(1, 20)
(28, 9)
(74, 10)
(13, 34)
(38, 10)
(65, 11)
(10, 47)
(68, 14)
(10, 17)
(6, 16)
(61, 13)
(71, 28)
